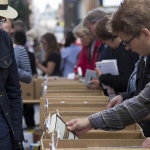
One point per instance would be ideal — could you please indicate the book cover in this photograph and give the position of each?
(90, 75)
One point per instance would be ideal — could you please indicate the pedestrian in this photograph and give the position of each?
(51, 64)
(11, 133)
(69, 54)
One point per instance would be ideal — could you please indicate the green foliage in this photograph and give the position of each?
(22, 8)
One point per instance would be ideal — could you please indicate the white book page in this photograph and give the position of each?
(107, 67)
(76, 137)
(112, 60)
(61, 127)
(53, 122)
(71, 135)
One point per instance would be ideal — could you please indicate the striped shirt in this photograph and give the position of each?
(23, 64)
(130, 111)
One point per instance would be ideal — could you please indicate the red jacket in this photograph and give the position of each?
(83, 60)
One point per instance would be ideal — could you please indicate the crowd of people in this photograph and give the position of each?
(123, 36)
(127, 33)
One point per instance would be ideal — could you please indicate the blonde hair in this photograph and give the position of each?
(80, 29)
(131, 17)
(94, 15)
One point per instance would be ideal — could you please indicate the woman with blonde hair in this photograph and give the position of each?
(87, 57)
(51, 64)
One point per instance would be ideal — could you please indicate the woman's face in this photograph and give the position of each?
(7, 26)
(86, 39)
(92, 27)
(44, 44)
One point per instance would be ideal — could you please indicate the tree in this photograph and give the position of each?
(22, 7)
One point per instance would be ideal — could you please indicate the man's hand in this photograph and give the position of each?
(95, 84)
(115, 101)
(98, 72)
(79, 126)
(146, 143)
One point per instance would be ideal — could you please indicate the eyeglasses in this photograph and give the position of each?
(128, 42)
(2, 20)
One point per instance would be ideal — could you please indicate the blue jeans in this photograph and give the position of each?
(6, 142)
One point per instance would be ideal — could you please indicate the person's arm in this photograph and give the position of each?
(14, 95)
(24, 76)
(53, 59)
(49, 69)
(23, 63)
(130, 111)
(125, 65)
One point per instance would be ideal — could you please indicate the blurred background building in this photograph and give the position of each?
(41, 16)
(75, 11)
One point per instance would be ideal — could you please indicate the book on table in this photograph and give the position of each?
(58, 124)
(90, 75)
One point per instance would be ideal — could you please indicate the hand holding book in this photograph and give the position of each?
(91, 81)
(79, 126)
(95, 84)
(58, 124)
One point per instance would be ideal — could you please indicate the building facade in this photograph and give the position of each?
(76, 10)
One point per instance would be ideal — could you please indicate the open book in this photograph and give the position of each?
(90, 75)
(58, 124)
(108, 66)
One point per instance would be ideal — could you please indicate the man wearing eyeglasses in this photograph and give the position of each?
(131, 22)
(134, 40)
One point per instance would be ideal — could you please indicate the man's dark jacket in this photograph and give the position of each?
(142, 78)
(10, 94)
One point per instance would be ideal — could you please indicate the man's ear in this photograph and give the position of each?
(146, 33)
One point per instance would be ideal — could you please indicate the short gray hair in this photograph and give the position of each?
(94, 15)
